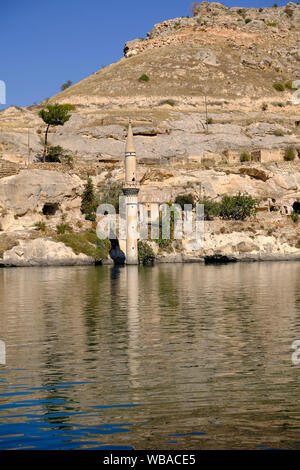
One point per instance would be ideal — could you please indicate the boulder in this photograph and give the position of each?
(43, 252)
(256, 173)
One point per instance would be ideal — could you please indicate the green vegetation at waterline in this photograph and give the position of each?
(86, 243)
(146, 254)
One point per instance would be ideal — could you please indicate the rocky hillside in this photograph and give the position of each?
(200, 91)
(243, 60)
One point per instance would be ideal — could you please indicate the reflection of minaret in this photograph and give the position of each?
(132, 279)
(131, 190)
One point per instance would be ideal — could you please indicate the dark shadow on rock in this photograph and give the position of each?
(219, 259)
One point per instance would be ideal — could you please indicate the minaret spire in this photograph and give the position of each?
(130, 148)
(131, 190)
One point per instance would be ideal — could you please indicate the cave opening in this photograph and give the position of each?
(296, 207)
(50, 208)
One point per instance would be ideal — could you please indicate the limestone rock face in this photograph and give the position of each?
(256, 173)
(43, 252)
(238, 244)
(30, 190)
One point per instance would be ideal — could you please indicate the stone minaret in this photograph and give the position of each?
(131, 190)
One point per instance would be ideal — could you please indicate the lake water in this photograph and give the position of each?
(166, 357)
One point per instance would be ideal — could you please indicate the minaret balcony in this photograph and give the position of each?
(130, 188)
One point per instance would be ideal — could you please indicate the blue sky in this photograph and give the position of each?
(44, 44)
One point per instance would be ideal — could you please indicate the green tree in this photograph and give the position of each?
(66, 85)
(237, 207)
(54, 115)
(211, 208)
(89, 201)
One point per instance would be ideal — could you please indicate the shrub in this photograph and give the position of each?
(295, 216)
(111, 194)
(237, 207)
(183, 199)
(289, 85)
(245, 157)
(91, 216)
(211, 208)
(169, 102)
(278, 86)
(248, 20)
(210, 121)
(145, 253)
(66, 85)
(144, 78)
(54, 154)
(88, 201)
(289, 154)
(278, 132)
(264, 106)
(40, 226)
(272, 24)
(67, 159)
(63, 228)
(164, 243)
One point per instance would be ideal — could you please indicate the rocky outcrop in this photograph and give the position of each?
(240, 246)
(43, 252)
(256, 173)
(215, 15)
(32, 190)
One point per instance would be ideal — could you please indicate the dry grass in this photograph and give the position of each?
(175, 70)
